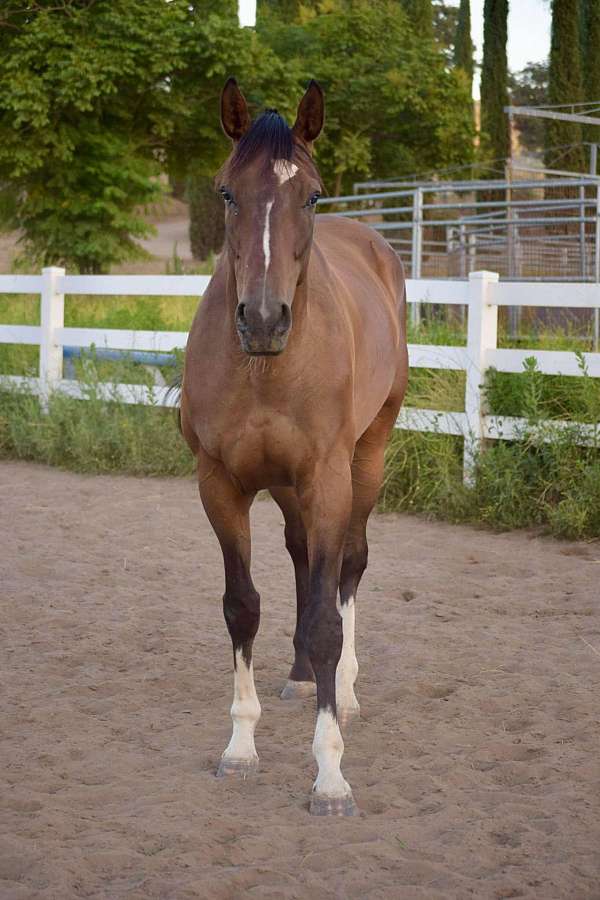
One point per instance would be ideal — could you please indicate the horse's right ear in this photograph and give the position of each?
(235, 117)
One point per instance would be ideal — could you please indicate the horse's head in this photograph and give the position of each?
(270, 186)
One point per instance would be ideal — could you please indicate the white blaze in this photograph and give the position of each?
(347, 668)
(245, 712)
(266, 243)
(267, 235)
(284, 170)
(328, 748)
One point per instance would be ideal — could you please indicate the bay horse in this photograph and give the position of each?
(295, 369)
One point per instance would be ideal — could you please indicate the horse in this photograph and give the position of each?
(295, 368)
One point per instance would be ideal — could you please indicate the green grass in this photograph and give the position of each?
(545, 480)
(94, 435)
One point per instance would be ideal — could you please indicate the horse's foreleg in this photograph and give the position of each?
(301, 680)
(326, 505)
(228, 511)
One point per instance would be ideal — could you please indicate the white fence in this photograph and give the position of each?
(483, 294)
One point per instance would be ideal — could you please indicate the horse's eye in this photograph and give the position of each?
(227, 196)
(312, 200)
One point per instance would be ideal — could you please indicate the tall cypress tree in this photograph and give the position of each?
(565, 86)
(494, 78)
(420, 16)
(590, 46)
(463, 44)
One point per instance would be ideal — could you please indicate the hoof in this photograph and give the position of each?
(333, 806)
(298, 690)
(243, 768)
(347, 715)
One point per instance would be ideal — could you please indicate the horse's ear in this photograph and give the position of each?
(235, 117)
(311, 114)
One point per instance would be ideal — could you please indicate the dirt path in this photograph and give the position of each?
(475, 764)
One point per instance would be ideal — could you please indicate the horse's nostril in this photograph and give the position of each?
(286, 315)
(241, 314)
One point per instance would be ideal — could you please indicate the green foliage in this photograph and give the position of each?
(545, 479)
(445, 21)
(529, 87)
(98, 98)
(463, 44)
(393, 105)
(590, 43)
(216, 47)
(494, 78)
(420, 16)
(92, 435)
(83, 107)
(565, 86)
(207, 224)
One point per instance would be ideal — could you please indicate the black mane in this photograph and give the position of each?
(269, 135)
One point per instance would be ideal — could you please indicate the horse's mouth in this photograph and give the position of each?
(271, 346)
(264, 352)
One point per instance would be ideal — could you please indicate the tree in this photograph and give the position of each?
(445, 20)
(207, 223)
(420, 16)
(463, 43)
(84, 108)
(494, 79)
(529, 87)
(591, 60)
(564, 139)
(393, 106)
(100, 98)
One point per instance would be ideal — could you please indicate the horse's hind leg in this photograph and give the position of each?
(228, 511)
(301, 680)
(367, 475)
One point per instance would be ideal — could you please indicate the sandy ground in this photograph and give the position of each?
(475, 764)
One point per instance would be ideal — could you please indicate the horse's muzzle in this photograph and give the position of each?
(263, 331)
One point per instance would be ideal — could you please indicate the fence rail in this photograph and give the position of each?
(482, 293)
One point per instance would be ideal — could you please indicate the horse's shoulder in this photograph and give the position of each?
(349, 244)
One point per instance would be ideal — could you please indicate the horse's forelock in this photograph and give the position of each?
(270, 138)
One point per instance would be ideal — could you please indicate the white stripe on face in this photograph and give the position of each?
(267, 235)
(266, 244)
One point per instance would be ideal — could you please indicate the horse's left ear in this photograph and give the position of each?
(311, 114)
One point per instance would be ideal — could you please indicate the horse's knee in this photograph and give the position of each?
(242, 615)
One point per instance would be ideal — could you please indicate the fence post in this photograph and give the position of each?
(582, 250)
(482, 335)
(417, 248)
(597, 269)
(52, 316)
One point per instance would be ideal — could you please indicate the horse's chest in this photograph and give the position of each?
(259, 449)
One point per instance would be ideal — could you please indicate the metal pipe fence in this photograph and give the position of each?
(537, 229)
